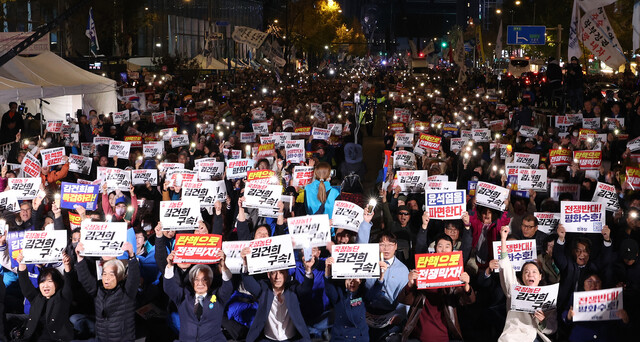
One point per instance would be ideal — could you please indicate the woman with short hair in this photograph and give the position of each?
(115, 295)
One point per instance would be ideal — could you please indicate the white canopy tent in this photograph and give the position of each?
(214, 64)
(65, 86)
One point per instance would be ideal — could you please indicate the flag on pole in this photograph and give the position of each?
(589, 5)
(499, 42)
(91, 34)
(479, 43)
(635, 20)
(574, 27)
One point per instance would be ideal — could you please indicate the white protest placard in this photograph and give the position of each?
(440, 185)
(582, 217)
(55, 126)
(158, 117)
(43, 247)
(404, 159)
(413, 182)
(179, 140)
(533, 298)
(80, 164)
(52, 156)
(335, 128)
(103, 238)
(492, 196)
(247, 137)
(591, 123)
(101, 140)
(25, 188)
(301, 176)
(8, 202)
(258, 114)
(209, 169)
(139, 177)
(529, 159)
(320, 133)
(167, 133)
(260, 128)
(634, 145)
(494, 148)
(288, 123)
(232, 252)
(269, 139)
(270, 254)
(310, 230)
(561, 188)
(607, 195)
(519, 252)
(532, 179)
(87, 148)
(347, 215)
(119, 149)
(219, 191)
(481, 134)
(261, 195)
(180, 215)
(456, 144)
(120, 117)
(446, 205)
(528, 131)
(115, 178)
(166, 167)
(30, 165)
(177, 177)
(598, 305)
(237, 168)
(295, 151)
(404, 139)
(204, 192)
(153, 149)
(547, 222)
(359, 261)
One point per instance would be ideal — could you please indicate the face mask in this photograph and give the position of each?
(575, 134)
(48, 227)
(120, 211)
(147, 227)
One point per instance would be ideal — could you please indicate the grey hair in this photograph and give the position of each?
(193, 272)
(119, 266)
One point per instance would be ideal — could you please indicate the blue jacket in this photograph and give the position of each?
(312, 205)
(208, 328)
(382, 297)
(350, 313)
(318, 302)
(263, 291)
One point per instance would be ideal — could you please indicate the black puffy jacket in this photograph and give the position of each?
(115, 309)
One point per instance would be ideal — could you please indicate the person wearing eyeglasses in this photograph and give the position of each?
(530, 231)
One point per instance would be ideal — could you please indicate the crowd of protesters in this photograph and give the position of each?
(144, 293)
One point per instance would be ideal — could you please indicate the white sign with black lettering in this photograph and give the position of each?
(532, 179)
(179, 140)
(139, 177)
(533, 298)
(180, 215)
(347, 215)
(204, 192)
(80, 164)
(528, 159)
(598, 305)
(43, 247)
(606, 194)
(295, 151)
(260, 128)
(119, 149)
(270, 254)
(261, 195)
(9, 202)
(103, 238)
(404, 159)
(115, 178)
(209, 169)
(404, 139)
(547, 222)
(25, 188)
(153, 149)
(411, 181)
(481, 134)
(356, 261)
(310, 230)
(232, 252)
(238, 168)
(528, 131)
(492, 196)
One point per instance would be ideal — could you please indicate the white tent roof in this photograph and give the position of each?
(55, 75)
(11, 90)
(215, 64)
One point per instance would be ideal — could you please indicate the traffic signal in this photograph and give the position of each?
(444, 44)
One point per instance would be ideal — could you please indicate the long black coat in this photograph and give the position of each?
(56, 315)
(115, 315)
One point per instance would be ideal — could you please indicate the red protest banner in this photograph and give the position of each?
(560, 157)
(429, 142)
(197, 248)
(438, 270)
(588, 160)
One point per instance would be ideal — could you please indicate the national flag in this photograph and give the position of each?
(91, 34)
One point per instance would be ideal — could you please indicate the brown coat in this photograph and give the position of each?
(454, 297)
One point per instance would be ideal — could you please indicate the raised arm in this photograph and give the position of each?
(133, 276)
(559, 256)
(88, 281)
(364, 232)
(171, 283)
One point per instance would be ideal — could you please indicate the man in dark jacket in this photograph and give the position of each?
(574, 83)
(12, 123)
